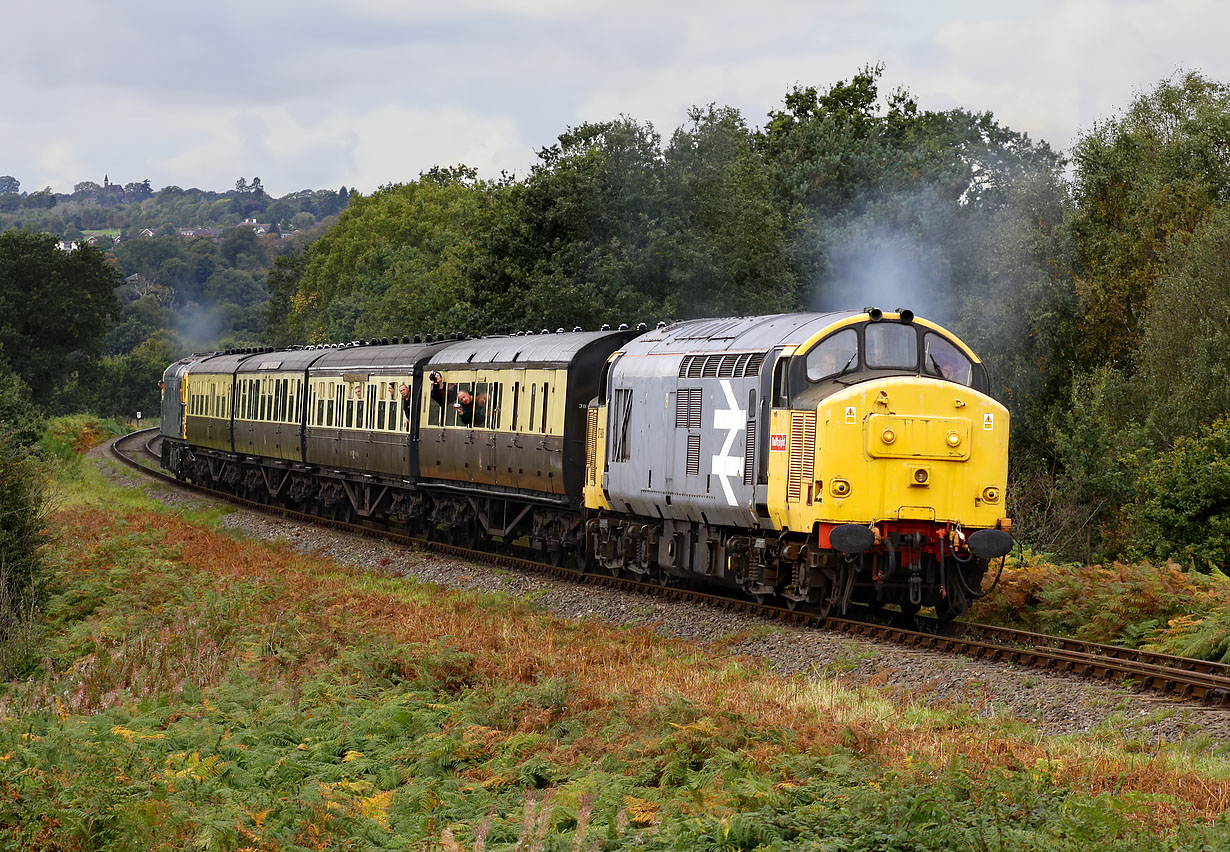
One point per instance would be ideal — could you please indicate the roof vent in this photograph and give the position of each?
(623, 326)
(606, 326)
(417, 339)
(546, 331)
(576, 328)
(559, 331)
(640, 326)
(661, 324)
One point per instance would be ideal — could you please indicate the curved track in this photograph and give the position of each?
(1178, 677)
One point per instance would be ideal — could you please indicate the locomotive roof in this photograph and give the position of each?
(735, 334)
(525, 350)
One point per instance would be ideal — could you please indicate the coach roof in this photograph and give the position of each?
(558, 349)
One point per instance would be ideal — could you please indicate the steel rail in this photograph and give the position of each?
(1178, 677)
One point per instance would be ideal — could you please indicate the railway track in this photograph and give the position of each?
(1178, 677)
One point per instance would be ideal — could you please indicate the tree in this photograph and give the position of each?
(283, 283)
(22, 566)
(1144, 182)
(86, 191)
(1183, 361)
(395, 262)
(44, 199)
(9, 185)
(239, 241)
(55, 307)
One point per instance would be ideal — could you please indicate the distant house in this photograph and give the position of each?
(209, 233)
(67, 245)
(261, 228)
(146, 232)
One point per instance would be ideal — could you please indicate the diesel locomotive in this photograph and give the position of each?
(813, 459)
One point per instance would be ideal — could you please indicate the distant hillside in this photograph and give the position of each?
(132, 207)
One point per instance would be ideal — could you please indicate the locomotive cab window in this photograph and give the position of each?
(943, 359)
(833, 356)
(891, 345)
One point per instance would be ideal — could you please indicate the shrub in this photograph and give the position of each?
(18, 413)
(1182, 507)
(22, 572)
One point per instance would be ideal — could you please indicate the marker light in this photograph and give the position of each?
(888, 436)
(953, 439)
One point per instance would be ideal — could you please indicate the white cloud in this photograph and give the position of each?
(317, 94)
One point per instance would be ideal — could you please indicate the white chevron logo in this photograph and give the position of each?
(733, 420)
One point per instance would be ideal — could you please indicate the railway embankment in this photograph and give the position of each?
(229, 679)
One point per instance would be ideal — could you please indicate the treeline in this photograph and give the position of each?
(130, 208)
(1097, 288)
(1101, 301)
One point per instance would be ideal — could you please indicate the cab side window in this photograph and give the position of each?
(943, 359)
(833, 356)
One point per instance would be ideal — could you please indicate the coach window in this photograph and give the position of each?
(495, 400)
(515, 402)
(942, 358)
(892, 345)
(545, 388)
(460, 407)
(435, 413)
(480, 411)
(833, 356)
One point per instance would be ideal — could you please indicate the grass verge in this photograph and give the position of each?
(199, 690)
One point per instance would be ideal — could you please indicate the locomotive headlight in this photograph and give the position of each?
(888, 436)
(990, 494)
(840, 488)
(920, 476)
(953, 440)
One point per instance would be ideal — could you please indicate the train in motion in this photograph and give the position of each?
(815, 460)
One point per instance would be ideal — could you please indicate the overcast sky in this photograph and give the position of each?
(314, 94)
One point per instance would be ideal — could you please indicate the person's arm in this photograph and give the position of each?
(437, 389)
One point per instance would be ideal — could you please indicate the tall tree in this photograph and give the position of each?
(55, 307)
(1144, 182)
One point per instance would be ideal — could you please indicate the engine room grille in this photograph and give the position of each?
(688, 402)
(591, 446)
(693, 455)
(749, 454)
(736, 365)
(802, 454)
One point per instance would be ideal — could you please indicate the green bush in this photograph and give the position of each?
(1182, 508)
(22, 571)
(19, 416)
